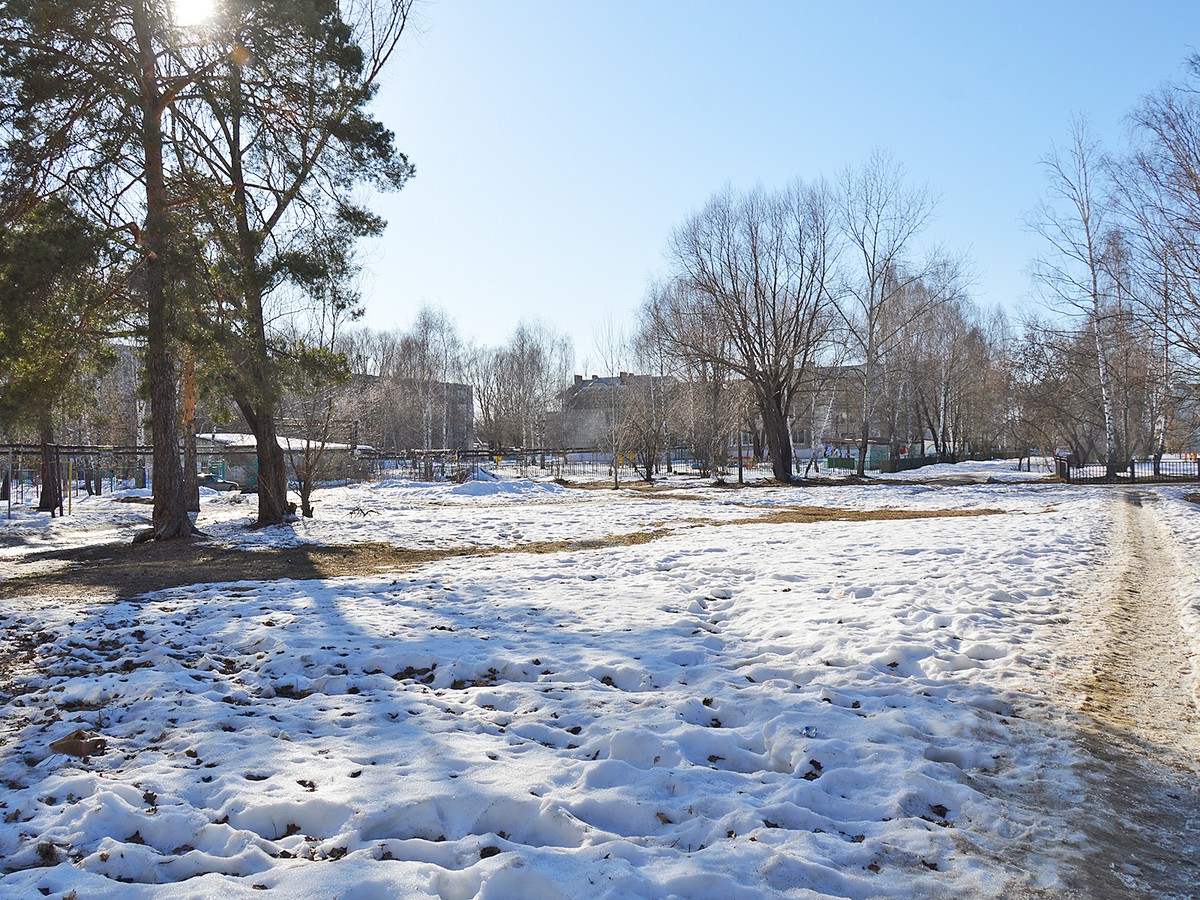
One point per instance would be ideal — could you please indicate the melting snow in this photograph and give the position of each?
(832, 709)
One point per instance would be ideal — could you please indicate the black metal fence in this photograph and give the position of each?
(455, 465)
(92, 469)
(1133, 471)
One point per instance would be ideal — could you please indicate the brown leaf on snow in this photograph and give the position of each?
(79, 743)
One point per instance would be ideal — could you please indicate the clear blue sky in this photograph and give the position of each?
(557, 143)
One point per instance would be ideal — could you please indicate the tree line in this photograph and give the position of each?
(807, 291)
(192, 191)
(783, 311)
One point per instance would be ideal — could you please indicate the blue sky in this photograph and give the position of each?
(557, 143)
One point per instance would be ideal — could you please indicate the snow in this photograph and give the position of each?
(843, 708)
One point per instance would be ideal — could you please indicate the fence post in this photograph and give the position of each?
(1133, 471)
(58, 475)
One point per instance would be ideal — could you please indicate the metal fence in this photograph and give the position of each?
(81, 471)
(596, 465)
(91, 469)
(101, 468)
(1133, 471)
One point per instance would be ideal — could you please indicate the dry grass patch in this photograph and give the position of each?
(640, 487)
(665, 491)
(617, 540)
(113, 571)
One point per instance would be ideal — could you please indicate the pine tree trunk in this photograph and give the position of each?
(191, 483)
(272, 465)
(51, 496)
(170, 519)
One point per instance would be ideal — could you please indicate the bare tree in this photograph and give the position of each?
(820, 395)
(428, 361)
(318, 371)
(370, 352)
(612, 345)
(650, 398)
(367, 398)
(881, 218)
(1072, 273)
(482, 369)
(1161, 193)
(703, 414)
(759, 266)
(947, 363)
(990, 411)
(1045, 395)
(521, 382)
(1055, 386)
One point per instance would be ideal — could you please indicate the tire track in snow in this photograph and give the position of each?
(1141, 734)
(1139, 680)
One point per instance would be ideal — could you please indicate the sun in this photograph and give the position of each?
(192, 12)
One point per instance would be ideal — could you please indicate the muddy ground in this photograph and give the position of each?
(1138, 731)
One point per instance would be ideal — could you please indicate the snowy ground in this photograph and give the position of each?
(851, 708)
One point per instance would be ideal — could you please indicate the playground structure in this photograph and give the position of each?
(81, 470)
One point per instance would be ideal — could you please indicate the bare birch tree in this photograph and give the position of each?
(1159, 194)
(882, 218)
(518, 387)
(429, 359)
(1076, 223)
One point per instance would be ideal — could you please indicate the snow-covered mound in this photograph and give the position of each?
(509, 487)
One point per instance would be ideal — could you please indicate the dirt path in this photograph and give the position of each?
(1140, 732)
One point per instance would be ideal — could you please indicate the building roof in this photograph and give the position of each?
(246, 443)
